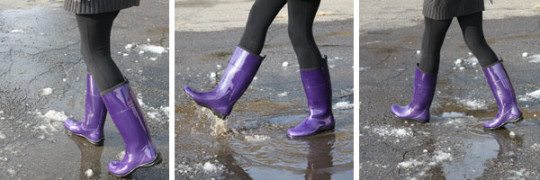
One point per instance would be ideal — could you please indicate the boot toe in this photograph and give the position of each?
(397, 110)
(118, 168)
(72, 125)
(308, 128)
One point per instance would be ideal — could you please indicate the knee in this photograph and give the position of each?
(297, 35)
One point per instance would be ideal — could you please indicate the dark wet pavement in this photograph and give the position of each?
(252, 143)
(39, 52)
(453, 145)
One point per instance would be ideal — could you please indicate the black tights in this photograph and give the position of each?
(435, 32)
(301, 16)
(95, 32)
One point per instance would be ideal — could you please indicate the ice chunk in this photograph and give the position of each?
(285, 64)
(128, 46)
(46, 91)
(152, 48)
(525, 54)
(283, 94)
(16, 31)
(89, 173)
(410, 164)
(452, 114)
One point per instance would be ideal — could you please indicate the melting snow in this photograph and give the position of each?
(452, 114)
(283, 94)
(343, 105)
(256, 138)
(52, 119)
(410, 163)
(530, 96)
(210, 167)
(395, 132)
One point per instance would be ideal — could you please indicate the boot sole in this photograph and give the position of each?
(315, 133)
(508, 122)
(96, 143)
(409, 119)
(218, 114)
(156, 161)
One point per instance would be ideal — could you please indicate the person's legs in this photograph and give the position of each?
(313, 70)
(471, 27)
(244, 62)
(116, 95)
(95, 32)
(261, 15)
(426, 73)
(301, 16)
(102, 74)
(495, 73)
(432, 41)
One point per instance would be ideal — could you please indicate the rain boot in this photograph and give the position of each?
(502, 89)
(318, 91)
(128, 118)
(91, 127)
(423, 92)
(236, 78)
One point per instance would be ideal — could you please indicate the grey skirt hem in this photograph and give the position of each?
(448, 9)
(97, 6)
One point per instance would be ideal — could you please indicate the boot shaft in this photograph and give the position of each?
(423, 90)
(318, 89)
(95, 111)
(501, 86)
(128, 117)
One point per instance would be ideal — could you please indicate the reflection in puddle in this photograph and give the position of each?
(90, 158)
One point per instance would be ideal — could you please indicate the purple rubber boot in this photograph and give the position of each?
(502, 89)
(318, 91)
(423, 92)
(91, 127)
(128, 118)
(236, 78)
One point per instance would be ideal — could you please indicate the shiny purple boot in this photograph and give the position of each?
(502, 89)
(91, 127)
(318, 91)
(128, 118)
(235, 80)
(423, 92)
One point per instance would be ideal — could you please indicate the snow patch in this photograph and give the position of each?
(452, 115)
(53, 120)
(152, 48)
(46, 91)
(16, 31)
(534, 58)
(473, 104)
(394, 132)
(410, 164)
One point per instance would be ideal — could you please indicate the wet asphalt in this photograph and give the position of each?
(252, 142)
(453, 145)
(39, 49)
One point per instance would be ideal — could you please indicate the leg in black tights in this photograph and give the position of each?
(261, 15)
(471, 26)
(301, 16)
(433, 39)
(95, 32)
